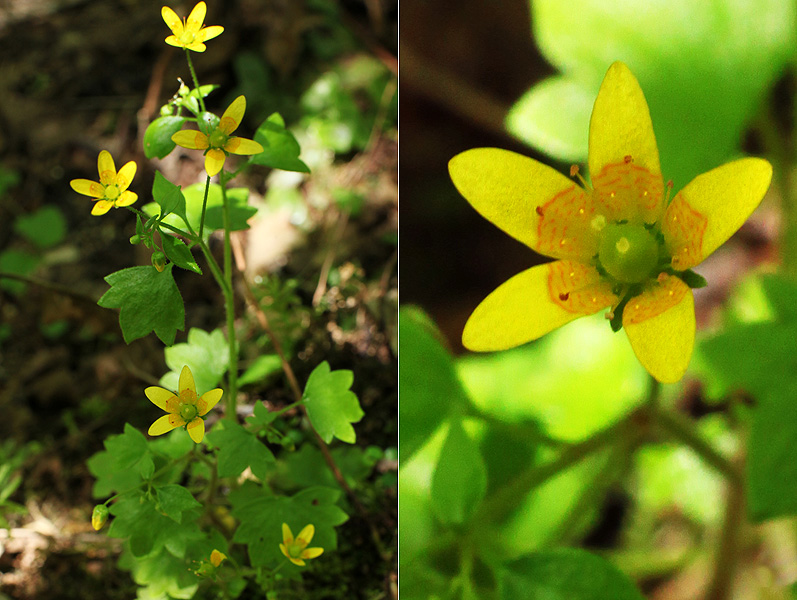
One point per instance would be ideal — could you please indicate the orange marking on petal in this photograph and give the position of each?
(628, 191)
(565, 231)
(683, 229)
(658, 297)
(578, 288)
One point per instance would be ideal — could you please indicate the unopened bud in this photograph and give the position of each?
(99, 516)
(159, 260)
(135, 239)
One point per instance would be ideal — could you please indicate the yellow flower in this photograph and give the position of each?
(219, 142)
(184, 407)
(619, 243)
(296, 550)
(217, 557)
(111, 191)
(189, 32)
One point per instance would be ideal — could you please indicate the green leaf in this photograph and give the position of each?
(261, 415)
(262, 367)
(206, 354)
(280, 148)
(130, 452)
(149, 301)
(174, 499)
(16, 262)
(179, 253)
(306, 466)
(567, 574)
(694, 93)
(240, 211)
(331, 407)
(168, 196)
(262, 514)
(158, 136)
(46, 227)
(428, 383)
(239, 448)
(162, 575)
(460, 479)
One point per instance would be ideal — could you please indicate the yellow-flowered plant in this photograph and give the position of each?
(296, 550)
(619, 243)
(184, 407)
(218, 141)
(189, 33)
(111, 190)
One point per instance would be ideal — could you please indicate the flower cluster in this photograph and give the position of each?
(620, 243)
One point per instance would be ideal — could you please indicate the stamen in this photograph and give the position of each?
(667, 197)
(628, 159)
(538, 210)
(574, 173)
(564, 297)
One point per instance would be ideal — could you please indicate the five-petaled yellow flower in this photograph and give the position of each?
(189, 33)
(619, 243)
(184, 407)
(111, 190)
(296, 549)
(219, 142)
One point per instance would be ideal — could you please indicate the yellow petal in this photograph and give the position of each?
(529, 306)
(163, 399)
(196, 47)
(710, 209)
(126, 199)
(196, 429)
(507, 189)
(217, 557)
(312, 552)
(208, 33)
(233, 115)
(101, 207)
(214, 161)
(88, 187)
(165, 424)
(208, 401)
(297, 561)
(193, 140)
(187, 380)
(125, 175)
(620, 125)
(662, 334)
(287, 535)
(238, 145)
(284, 551)
(106, 168)
(305, 535)
(174, 41)
(197, 17)
(172, 21)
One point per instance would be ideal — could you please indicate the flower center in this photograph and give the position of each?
(294, 550)
(629, 253)
(111, 192)
(188, 412)
(218, 138)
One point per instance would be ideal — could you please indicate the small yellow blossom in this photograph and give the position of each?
(619, 243)
(189, 32)
(111, 190)
(219, 142)
(217, 557)
(184, 407)
(296, 549)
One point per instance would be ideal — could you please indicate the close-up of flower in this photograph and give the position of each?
(219, 142)
(296, 549)
(188, 33)
(184, 407)
(111, 190)
(620, 243)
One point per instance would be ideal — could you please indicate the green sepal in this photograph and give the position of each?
(692, 279)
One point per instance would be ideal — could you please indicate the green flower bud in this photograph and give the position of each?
(159, 260)
(99, 516)
(135, 239)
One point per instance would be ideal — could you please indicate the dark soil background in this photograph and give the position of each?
(80, 76)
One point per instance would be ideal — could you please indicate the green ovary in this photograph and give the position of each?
(218, 138)
(629, 253)
(188, 412)
(112, 192)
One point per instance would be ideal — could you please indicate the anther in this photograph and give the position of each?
(538, 210)
(564, 297)
(574, 173)
(628, 159)
(669, 189)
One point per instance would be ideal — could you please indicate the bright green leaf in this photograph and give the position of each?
(206, 354)
(149, 301)
(16, 262)
(331, 406)
(239, 448)
(460, 479)
(168, 196)
(262, 367)
(130, 451)
(261, 415)
(567, 574)
(46, 227)
(158, 136)
(174, 499)
(280, 148)
(179, 253)
(240, 211)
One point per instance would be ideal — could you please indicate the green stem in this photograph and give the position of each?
(194, 79)
(204, 208)
(229, 303)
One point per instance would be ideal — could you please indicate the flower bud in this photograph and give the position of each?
(159, 260)
(99, 516)
(135, 239)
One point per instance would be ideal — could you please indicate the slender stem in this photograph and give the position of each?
(194, 79)
(204, 208)
(229, 303)
(726, 558)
